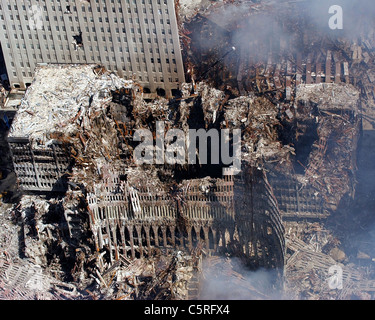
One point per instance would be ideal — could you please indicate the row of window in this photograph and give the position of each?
(102, 30)
(156, 62)
(141, 76)
(51, 45)
(105, 49)
(68, 9)
(100, 19)
(55, 40)
(48, 37)
(95, 39)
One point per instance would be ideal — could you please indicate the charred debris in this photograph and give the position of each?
(89, 223)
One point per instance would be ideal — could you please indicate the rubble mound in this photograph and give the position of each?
(58, 95)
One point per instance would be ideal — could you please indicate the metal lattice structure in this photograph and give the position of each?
(39, 169)
(297, 201)
(133, 222)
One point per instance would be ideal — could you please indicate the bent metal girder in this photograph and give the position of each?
(235, 213)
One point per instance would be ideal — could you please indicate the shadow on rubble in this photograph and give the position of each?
(62, 184)
(354, 221)
(8, 180)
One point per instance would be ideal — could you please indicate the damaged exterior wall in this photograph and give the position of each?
(329, 171)
(133, 221)
(40, 159)
(39, 170)
(142, 218)
(137, 40)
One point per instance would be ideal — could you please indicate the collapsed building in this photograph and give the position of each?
(135, 211)
(93, 217)
(320, 82)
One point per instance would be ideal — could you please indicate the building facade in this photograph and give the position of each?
(135, 38)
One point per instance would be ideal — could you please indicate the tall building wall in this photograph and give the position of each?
(135, 38)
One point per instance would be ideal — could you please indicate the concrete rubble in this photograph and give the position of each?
(309, 262)
(71, 90)
(55, 231)
(88, 222)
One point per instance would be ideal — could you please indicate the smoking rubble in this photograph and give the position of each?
(300, 119)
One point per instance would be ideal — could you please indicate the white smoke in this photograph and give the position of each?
(229, 279)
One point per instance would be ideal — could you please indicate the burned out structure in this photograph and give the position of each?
(85, 148)
(134, 211)
(312, 79)
(209, 219)
(321, 83)
(301, 101)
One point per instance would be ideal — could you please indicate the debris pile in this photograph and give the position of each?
(316, 269)
(258, 118)
(44, 140)
(331, 166)
(61, 97)
(3, 96)
(9, 232)
(49, 238)
(321, 89)
(112, 229)
(58, 263)
(23, 278)
(76, 236)
(329, 96)
(160, 277)
(104, 181)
